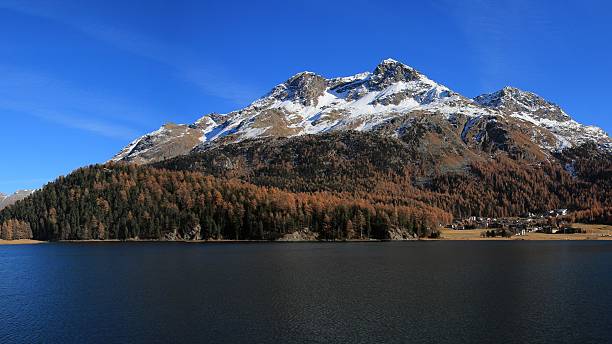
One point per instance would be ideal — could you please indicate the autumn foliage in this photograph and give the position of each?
(131, 202)
(337, 186)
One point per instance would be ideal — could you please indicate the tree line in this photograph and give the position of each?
(119, 201)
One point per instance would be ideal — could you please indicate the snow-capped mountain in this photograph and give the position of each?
(388, 100)
(530, 107)
(6, 200)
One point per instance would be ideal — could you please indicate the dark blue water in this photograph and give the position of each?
(429, 292)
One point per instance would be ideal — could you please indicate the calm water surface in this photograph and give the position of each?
(430, 292)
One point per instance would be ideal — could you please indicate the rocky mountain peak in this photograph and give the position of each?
(513, 101)
(390, 71)
(304, 88)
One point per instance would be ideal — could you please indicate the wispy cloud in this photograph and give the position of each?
(53, 100)
(218, 86)
(209, 76)
(490, 29)
(75, 121)
(92, 125)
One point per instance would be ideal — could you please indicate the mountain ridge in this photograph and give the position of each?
(308, 103)
(7, 200)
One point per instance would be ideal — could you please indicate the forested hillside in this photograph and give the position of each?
(119, 201)
(384, 169)
(344, 185)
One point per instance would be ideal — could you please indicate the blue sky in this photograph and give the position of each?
(79, 80)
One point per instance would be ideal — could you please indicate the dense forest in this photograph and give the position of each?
(119, 201)
(383, 169)
(334, 186)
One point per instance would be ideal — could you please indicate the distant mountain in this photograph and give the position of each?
(388, 100)
(6, 200)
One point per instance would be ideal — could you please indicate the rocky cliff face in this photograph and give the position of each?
(389, 100)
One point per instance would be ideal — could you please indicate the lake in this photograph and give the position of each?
(395, 292)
